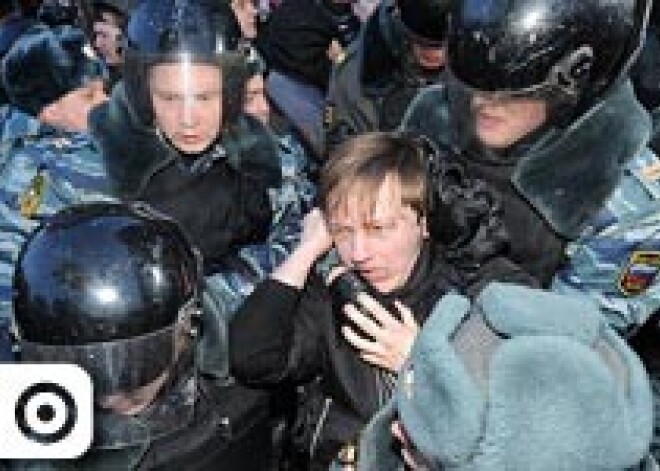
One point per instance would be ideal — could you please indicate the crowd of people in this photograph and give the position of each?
(338, 235)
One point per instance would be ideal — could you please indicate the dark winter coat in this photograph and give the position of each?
(282, 334)
(220, 198)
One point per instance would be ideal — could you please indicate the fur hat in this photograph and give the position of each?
(45, 64)
(521, 380)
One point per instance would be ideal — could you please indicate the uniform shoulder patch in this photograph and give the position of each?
(639, 272)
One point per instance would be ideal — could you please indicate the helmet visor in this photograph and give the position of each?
(187, 100)
(119, 366)
(478, 65)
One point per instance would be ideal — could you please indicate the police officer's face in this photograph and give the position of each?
(501, 122)
(381, 241)
(256, 103)
(131, 403)
(71, 111)
(187, 103)
(429, 57)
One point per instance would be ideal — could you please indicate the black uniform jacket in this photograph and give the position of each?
(220, 198)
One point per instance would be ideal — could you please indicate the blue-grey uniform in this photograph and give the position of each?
(617, 258)
(237, 277)
(42, 170)
(616, 261)
(290, 202)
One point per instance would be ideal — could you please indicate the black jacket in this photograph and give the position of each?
(282, 334)
(220, 198)
(371, 89)
(297, 35)
(219, 207)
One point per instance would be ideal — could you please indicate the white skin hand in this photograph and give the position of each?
(314, 241)
(315, 235)
(391, 339)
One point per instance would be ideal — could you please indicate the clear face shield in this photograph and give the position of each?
(498, 119)
(122, 366)
(161, 360)
(560, 90)
(423, 58)
(187, 101)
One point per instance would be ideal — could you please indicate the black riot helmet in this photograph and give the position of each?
(424, 21)
(110, 287)
(574, 50)
(389, 35)
(182, 32)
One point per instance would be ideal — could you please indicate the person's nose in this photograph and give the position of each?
(188, 113)
(360, 248)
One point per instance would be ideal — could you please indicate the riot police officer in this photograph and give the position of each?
(115, 289)
(645, 74)
(173, 134)
(400, 50)
(552, 130)
(48, 159)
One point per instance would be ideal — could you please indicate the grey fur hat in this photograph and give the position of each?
(45, 64)
(521, 380)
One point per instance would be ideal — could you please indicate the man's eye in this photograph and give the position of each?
(375, 230)
(339, 231)
(379, 229)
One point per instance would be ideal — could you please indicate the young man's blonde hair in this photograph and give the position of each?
(359, 166)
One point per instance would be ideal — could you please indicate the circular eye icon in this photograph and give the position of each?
(45, 413)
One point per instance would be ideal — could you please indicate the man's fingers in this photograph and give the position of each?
(363, 321)
(406, 314)
(377, 310)
(358, 341)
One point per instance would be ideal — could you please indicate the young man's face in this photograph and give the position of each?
(500, 123)
(382, 244)
(187, 103)
(107, 39)
(246, 15)
(256, 103)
